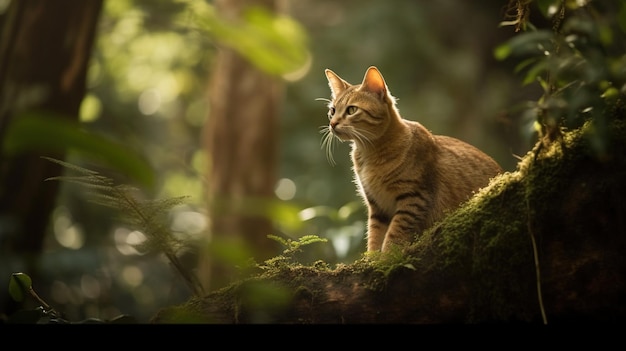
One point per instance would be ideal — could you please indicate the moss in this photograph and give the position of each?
(493, 229)
(493, 241)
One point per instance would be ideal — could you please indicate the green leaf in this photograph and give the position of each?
(610, 93)
(530, 43)
(502, 51)
(276, 44)
(19, 286)
(548, 7)
(524, 64)
(534, 74)
(47, 132)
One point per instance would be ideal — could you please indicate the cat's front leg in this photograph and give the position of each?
(377, 225)
(402, 230)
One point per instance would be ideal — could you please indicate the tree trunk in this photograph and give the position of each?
(44, 52)
(543, 244)
(241, 139)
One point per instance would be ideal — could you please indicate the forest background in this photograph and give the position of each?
(147, 88)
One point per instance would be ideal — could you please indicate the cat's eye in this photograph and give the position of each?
(351, 109)
(331, 112)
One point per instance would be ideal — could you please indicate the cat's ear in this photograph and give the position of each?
(337, 85)
(374, 82)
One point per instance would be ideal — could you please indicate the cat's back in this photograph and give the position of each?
(455, 152)
(463, 167)
(450, 151)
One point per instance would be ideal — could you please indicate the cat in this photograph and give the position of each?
(407, 176)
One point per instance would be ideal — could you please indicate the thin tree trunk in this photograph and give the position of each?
(241, 138)
(45, 47)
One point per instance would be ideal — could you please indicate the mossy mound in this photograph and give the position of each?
(542, 244)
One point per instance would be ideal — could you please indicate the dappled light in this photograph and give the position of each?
(127, 240)
(132, 276)
(67, 233)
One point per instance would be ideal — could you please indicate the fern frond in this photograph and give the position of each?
(291, 248)
(146, 216)
(71, 166)
(278, 239)
(310, 239)
(93, 180)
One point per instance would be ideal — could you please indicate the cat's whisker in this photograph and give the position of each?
(368, 136)
(327, 101)
(327, 143)
(361, 137)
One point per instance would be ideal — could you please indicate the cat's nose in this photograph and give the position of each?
(333, 124)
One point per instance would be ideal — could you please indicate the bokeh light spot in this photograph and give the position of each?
(90, 286)
(190, 222)
(149, 102)
(126, 240)
(132, 275)
(66, 233)
(135, 238)
(285, 189)
(90, 108)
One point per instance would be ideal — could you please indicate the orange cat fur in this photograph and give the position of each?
(407, 176)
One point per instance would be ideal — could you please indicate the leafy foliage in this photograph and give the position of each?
(277, 44)
(579, 63)
(146, 216)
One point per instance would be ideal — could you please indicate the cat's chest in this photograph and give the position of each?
(374, 186)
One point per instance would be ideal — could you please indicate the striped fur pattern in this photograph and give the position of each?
(407, 176)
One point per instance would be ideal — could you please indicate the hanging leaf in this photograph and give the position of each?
(20, 286)
(530, 43)
(276, 44)
(47, 132)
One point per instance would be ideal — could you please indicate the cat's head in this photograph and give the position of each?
(361, 112)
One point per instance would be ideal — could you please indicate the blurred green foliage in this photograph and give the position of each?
(273, 42)
(39, 131)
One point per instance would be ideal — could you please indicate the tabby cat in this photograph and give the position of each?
(407, 176)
